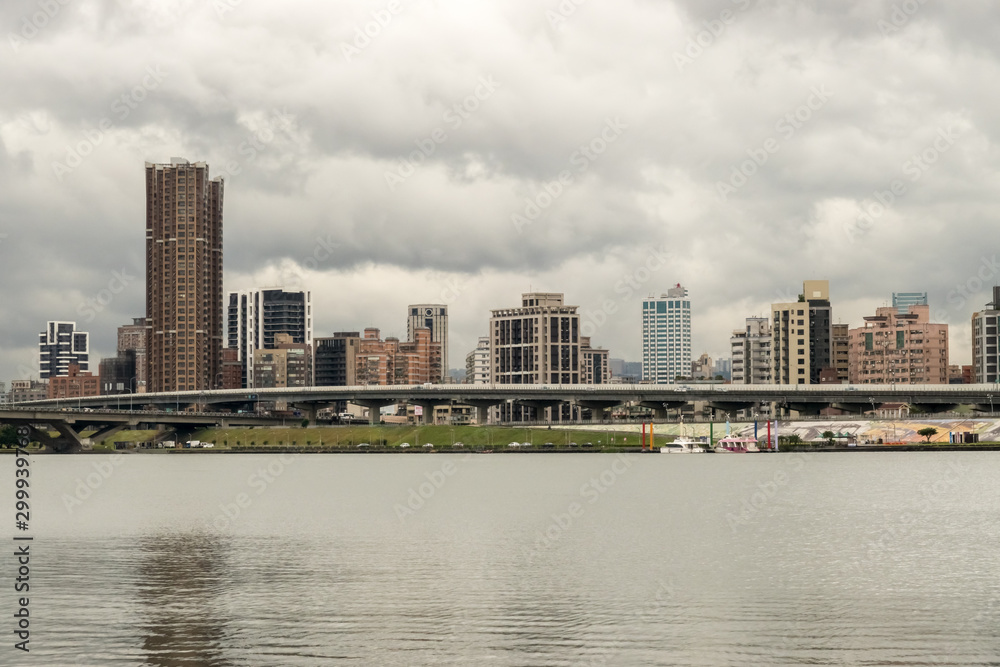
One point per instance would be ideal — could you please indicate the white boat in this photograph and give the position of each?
(734, 445)
(682, 445)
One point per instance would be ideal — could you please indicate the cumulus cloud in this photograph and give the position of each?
(756, 141)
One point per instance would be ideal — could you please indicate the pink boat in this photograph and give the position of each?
(734, 445)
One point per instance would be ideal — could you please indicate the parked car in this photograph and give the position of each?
(363, 445)
(458, 444)
(428, 445)
(405, 445)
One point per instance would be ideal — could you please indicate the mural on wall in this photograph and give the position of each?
(861, 431)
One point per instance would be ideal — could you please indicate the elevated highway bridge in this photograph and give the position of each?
(36, 424)
(790, 400)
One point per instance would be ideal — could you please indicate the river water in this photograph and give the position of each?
(510, 559)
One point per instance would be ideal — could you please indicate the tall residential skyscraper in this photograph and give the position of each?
(802, 336)
(59, 346)
(985, 358)
(433, 316)
(183, 276)
(256, 316)
(666, 336)
(902, 301)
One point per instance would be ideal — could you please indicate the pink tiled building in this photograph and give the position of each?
(899, 348)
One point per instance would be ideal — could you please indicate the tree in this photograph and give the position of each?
(928, 432)
(8, 436)
(829, 435)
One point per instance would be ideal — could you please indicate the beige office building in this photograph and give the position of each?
(183, 276)
(538, 343)
(801, 336)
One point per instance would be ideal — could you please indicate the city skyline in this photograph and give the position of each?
(512, 172)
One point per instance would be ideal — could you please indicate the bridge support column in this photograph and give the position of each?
(661, 410)
(374, 406)
(539, 407)
(482, 409)
(600, 409)
(427, 412)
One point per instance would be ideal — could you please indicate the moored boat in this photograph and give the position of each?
(734, 445)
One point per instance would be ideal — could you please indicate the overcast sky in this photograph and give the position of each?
(607, 150)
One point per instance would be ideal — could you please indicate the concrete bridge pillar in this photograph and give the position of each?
(374, 405)
(482, 408)
(427, 416)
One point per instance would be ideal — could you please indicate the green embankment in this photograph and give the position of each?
(349, 437)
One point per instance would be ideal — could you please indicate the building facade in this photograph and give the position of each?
(336, 359)
(984, 341)
(899, 348)
(596, 363)
(22, 391)
(801, 335)
(391, 362)
(61, 346)
(538, 343)
(255, 317)
(477, 363)
(183, 276)
(75, 384)
(133, 337)
(434, 317)
(666, 337)
(841, 344)
(118, 374)
(902, 301)
(751, 352)
(230, 370)
(287, 364)
(702, 368)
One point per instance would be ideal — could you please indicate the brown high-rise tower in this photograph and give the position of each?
(183, 276)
